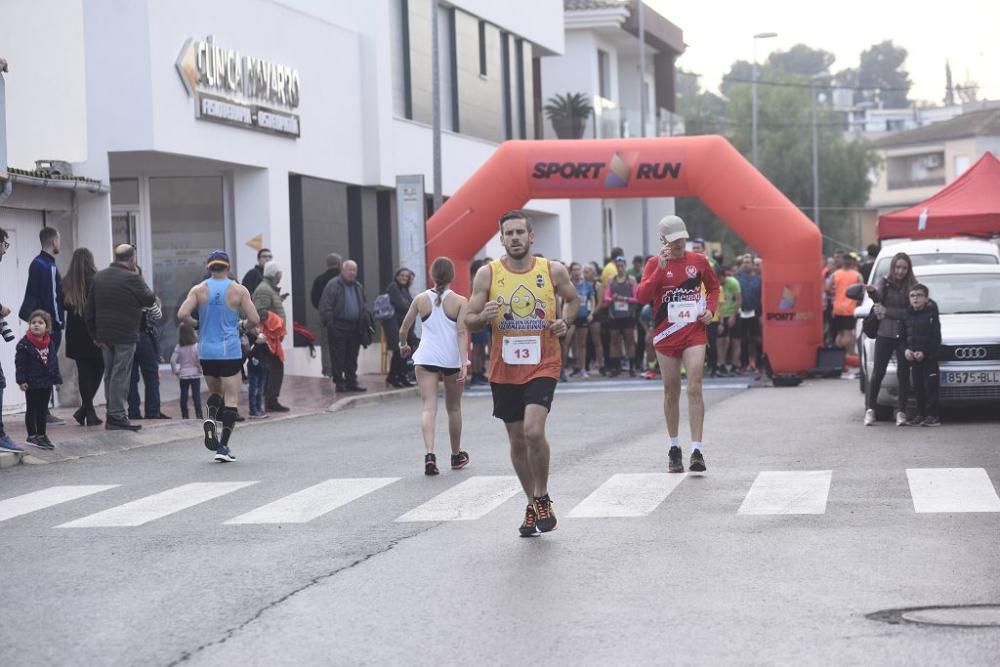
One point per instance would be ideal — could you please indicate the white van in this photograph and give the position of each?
(933, 261)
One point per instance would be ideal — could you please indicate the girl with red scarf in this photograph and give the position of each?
(36, 361)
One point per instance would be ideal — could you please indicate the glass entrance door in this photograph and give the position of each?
(187, 222)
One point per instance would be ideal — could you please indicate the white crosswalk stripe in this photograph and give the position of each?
(627, 495)
(622, 495)
(54, 495)
(788, 492)
(157, 506)
(469, 500)
(952, 490)
(313, 502)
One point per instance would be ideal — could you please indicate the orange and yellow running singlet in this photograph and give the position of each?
(523, 346)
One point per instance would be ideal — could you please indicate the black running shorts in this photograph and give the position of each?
(509, 400)
(221, 368)
(438, 369)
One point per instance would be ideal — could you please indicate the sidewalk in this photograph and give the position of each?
(303, 395)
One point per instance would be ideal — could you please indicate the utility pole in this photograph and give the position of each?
(753, 95)
(642, 116)
(436, 106)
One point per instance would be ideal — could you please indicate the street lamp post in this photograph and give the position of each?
(753, 88)
(815, 144)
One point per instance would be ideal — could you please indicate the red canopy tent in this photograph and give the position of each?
(969, 206)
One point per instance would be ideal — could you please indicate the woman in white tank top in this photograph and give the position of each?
(443, 354)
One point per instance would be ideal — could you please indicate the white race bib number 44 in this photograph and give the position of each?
(522, 350)
(682, 312)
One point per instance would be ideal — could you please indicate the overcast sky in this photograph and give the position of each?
(967, 32)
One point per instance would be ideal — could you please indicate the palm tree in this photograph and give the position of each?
(569, 114)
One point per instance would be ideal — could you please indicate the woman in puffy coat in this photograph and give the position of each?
(891, 295)
(400, 297)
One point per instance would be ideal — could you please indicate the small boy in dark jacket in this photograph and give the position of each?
(257, 370)
(36, 361)
(922, 335)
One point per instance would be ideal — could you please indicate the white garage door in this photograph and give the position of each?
(22, 227)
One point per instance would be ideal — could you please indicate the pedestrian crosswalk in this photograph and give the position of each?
(621, 496)
(785, 492)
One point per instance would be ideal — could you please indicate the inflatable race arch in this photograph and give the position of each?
(706, 167)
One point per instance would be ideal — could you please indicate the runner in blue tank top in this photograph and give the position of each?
(219, 302)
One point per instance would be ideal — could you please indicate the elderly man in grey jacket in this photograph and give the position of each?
(342, 307)
(267, 299)
(114, 310)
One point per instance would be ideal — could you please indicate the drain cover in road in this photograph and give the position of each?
(967, 616)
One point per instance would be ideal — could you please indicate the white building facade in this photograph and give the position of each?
(601, 59)
(262, 123)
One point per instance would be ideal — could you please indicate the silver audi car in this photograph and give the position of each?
(968, 299)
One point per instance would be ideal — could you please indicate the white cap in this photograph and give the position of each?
(672, 228)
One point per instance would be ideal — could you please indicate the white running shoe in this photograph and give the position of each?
(900, 419)
(869, 417)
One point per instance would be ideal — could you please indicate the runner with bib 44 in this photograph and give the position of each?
(684, 293)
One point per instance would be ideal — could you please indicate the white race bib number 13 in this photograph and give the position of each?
(522, 350)
(682, 311)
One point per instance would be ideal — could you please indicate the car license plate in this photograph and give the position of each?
(970, 377)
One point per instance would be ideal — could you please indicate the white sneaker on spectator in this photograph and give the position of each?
(869, 417)
(900, 419)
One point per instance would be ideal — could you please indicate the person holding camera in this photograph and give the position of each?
(6, 444)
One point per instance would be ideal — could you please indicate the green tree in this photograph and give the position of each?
(801, 59)
(880, 76)
(784, 144)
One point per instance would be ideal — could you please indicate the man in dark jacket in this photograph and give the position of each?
(43, 290)
(333, 262)
(114, 311)
(922, 333)
(342, 307)
(256, 273)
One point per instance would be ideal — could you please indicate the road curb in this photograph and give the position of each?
(380, 397)
(92, 446)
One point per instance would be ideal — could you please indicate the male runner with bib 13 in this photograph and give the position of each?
(516, 294)
(684, 292)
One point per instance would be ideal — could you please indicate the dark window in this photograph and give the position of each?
(404, 7)
(482, 48)
(453, 68)
(508, 120)
(603, 74)
(383, 199)
(522, 121)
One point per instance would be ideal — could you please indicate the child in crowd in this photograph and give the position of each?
(922, 333)
(186, 365)
(257, 370)
(36, 361)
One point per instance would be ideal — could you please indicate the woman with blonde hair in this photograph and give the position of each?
(443, 354)
(80, 345)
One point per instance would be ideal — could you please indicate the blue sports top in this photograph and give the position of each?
(218, 324)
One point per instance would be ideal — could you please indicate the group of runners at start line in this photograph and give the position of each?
(516, 296)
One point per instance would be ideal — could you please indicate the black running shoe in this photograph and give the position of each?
(211, 435)
(545, 519)
(697, 463)
(528, 528)
(675, 462)
(459, 461)
(932, 421)
(430, 465)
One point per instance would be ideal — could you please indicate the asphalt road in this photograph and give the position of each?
(720, 570)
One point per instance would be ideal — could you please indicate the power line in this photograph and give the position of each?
(792, 84)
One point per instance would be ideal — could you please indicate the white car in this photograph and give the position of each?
(968, 299)
(922, 252)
